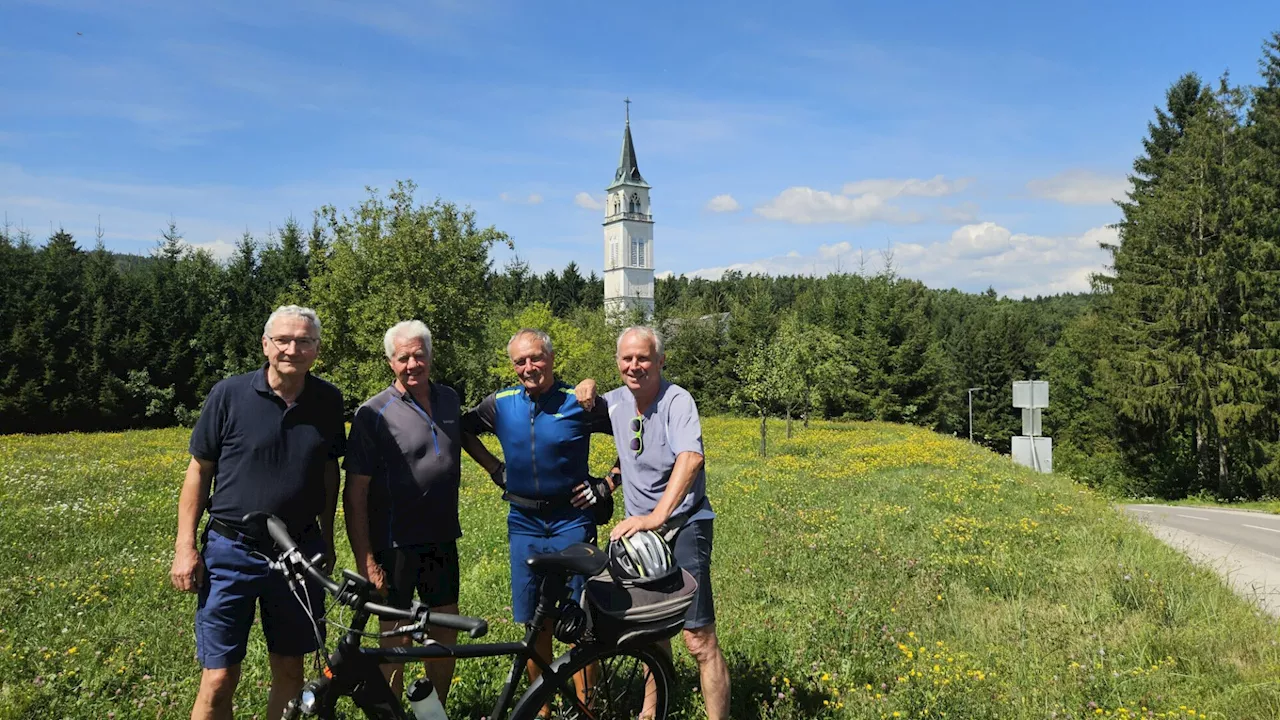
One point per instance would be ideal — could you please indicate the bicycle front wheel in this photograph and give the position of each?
(603, 683)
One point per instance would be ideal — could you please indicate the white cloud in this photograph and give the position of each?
(936, 186)
(804, 206)
(588, 201)
(974, 257)
(828, 251)
(219, 249)
(1080, 187)
(962, 213)
(723, 204)
(981, 240)
(859, 202)
(531, 199)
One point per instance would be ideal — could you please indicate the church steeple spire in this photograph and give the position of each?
(628, 170)
(628, 236)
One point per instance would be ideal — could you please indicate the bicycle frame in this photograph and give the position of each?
(354, 671)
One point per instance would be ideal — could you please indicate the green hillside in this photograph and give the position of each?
(862, 571)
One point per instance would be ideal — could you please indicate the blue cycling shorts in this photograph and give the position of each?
(530, 533)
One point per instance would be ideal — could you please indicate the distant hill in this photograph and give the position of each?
(128, 262)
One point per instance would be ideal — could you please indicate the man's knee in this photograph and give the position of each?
(286, 670)
(219, 684)
(440, 634)
(702, 643)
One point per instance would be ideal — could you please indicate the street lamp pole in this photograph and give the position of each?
(971, 391)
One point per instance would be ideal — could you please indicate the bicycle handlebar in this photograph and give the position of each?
(416, 612)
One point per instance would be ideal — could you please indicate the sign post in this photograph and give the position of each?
(971, 392)
(1031, 449)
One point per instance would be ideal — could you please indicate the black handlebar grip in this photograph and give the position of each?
(387, 612)
(472, 626)
(279, 533)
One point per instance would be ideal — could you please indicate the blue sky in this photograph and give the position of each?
(982, 142)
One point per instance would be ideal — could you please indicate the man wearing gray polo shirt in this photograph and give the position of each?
(403, 468)
(659, 441)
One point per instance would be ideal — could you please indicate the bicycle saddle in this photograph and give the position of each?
(577, 559)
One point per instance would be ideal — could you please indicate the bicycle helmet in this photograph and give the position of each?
(643, 556)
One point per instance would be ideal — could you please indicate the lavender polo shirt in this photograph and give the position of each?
(670, 427)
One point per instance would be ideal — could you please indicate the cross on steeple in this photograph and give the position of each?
(628, 170)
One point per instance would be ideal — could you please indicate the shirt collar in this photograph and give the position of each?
(435, 392)
(260, 380)
(557, 385)
(260, 383)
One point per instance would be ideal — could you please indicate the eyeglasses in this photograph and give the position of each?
(637, 427)
(304, 343)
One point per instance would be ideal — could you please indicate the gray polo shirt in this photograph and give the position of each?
(670, 427)
(415, 462)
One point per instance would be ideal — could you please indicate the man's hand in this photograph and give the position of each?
(586, 393)
(590, 492)
(372, 571)
(499, 475)
(328, 558)
(635, 524)
(187, 572)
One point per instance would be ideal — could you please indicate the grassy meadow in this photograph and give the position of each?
(861, 571)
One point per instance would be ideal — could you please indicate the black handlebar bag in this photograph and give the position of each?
(638, 611)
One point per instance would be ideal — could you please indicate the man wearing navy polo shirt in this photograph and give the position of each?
(401, 497)
(266, 441)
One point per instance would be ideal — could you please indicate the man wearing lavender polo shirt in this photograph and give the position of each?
(659, 441)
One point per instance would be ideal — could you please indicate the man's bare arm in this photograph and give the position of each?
(331, 482)
(355, 504)
(187, 571)
(487, 460)
(687, 465)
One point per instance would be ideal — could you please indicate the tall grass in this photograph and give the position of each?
(861, 571)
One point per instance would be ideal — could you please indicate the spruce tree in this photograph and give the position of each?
(1192, 298)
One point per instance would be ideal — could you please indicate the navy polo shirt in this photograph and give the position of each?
(414, 461)
(269, 457)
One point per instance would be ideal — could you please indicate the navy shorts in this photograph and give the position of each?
(693, 553)
(429, 568)
(530, 533)
(236, 580)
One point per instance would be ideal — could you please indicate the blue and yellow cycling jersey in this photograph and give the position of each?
(545, 440)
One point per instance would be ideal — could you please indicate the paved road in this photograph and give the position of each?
(1244, 547)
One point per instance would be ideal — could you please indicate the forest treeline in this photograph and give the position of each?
(1165, 380)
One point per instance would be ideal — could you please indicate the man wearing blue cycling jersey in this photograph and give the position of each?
(546, 438)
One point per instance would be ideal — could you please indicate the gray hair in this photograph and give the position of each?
(655, 340)
(293, 311)
(542, 337)
(407, 330)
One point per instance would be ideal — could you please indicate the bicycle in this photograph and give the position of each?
(622, 669)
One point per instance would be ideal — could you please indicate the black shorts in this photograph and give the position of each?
(692, 550)
(431, 569)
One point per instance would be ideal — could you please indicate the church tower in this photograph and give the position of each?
(628, 236)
